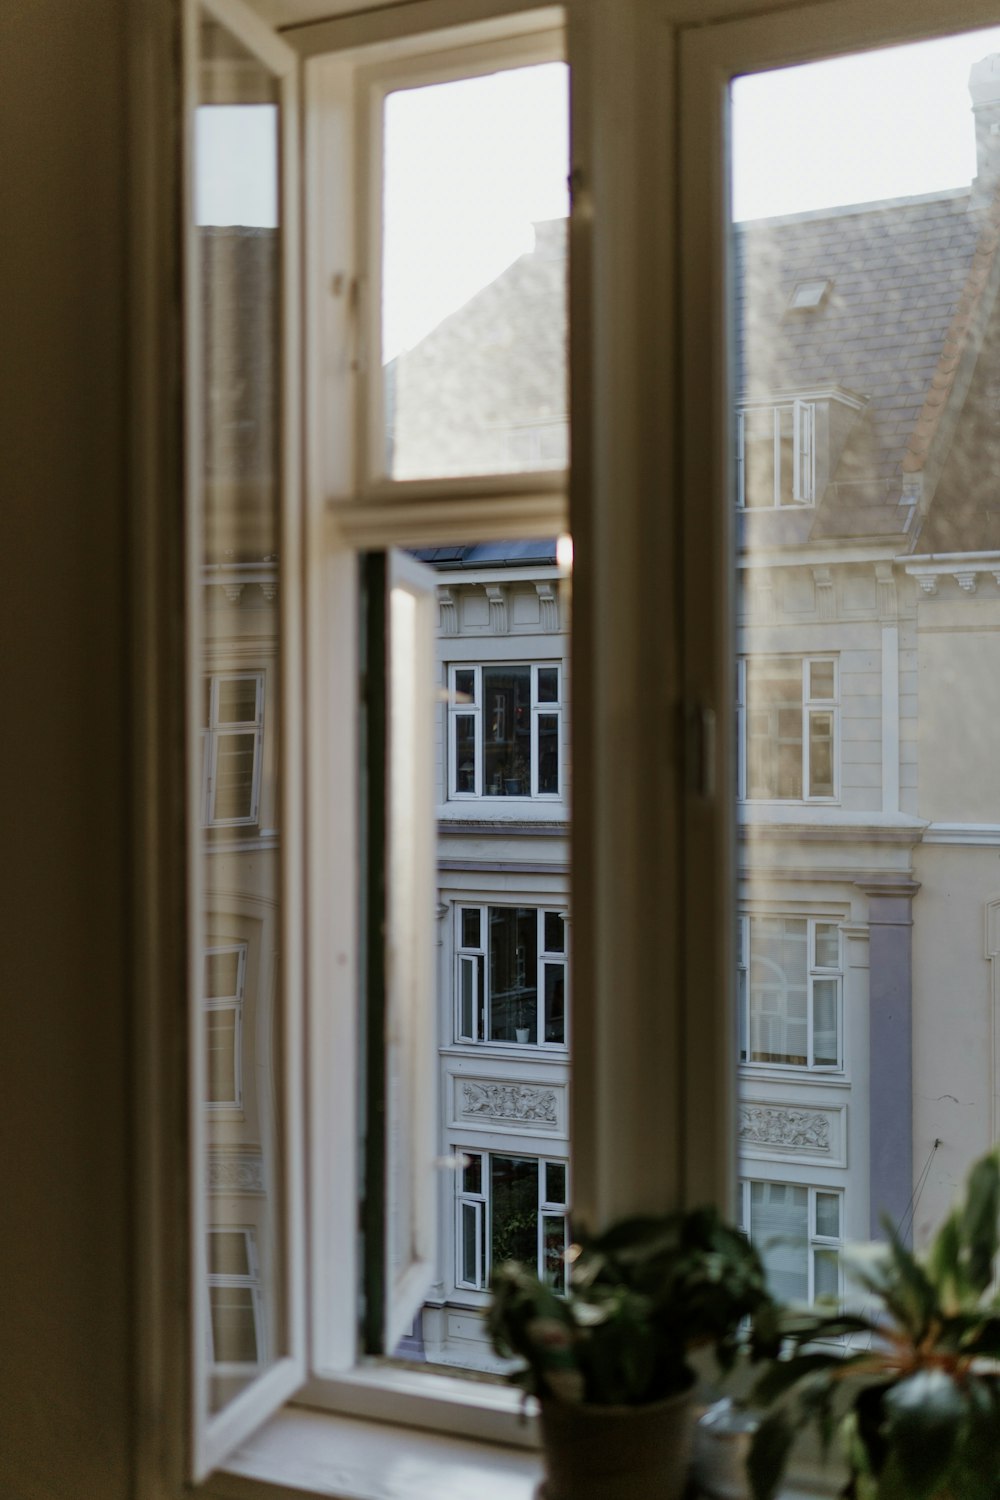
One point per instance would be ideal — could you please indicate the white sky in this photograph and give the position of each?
(883, 124)
(236, 181)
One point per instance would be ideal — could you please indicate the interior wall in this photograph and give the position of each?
(63, 1055)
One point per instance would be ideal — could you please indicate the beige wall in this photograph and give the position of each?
(63, 1168)
(959, 653)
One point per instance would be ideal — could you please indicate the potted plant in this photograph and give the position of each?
(918, 1406)
(609, 1359)
(522, 1024)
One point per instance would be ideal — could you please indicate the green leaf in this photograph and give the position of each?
(768, 1455)
(784, 1373)
(924, 1415)
(981, 1221)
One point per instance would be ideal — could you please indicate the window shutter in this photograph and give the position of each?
(411, 1185)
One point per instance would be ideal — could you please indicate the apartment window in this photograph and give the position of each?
(231, 747)
(510, 1208)
(235, 1326)
(775, 455)
(790, 987)
(788, 724)
(797, 1231)
(510, 976)
(505, 730)
(225, 980)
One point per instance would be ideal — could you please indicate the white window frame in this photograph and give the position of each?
(478, 960)
(814, 972)
(810, 706)
(215, 1004)
(481, 1204)
(214, 732)
(476, 710)
(803, 454)
(814, 1240)
(251, 1282)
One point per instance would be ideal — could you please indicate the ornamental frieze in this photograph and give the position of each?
(510, 1101)
(784, 1129)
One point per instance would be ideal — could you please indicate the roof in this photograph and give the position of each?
(489, 555)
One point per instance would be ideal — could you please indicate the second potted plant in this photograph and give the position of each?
(610, 1359)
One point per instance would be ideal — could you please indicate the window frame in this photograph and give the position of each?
(215, 1003)
(811, 707)
(482, 1203)
(803, 453)
(477, 712)
(231, 1280)
(814, 1240)
(214, 731)
(814, 972)
(479, 958)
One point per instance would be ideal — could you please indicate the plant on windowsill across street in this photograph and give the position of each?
(918, 1408)
(610, 1359)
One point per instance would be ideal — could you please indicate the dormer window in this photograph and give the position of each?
(776, 455)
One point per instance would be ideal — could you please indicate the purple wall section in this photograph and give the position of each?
(890, 1005)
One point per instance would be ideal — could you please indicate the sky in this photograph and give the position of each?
(470, 166)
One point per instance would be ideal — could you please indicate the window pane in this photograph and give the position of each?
(507, 731)
(239, 249)
(779, 1227)
(555, 932)
(465, 685)
(774, 728)
(821, 679)
(555, 1182)
(237, 700)
(472, 1174)
(553, 1247)
(548, 755)
(513, 974)
(826, 1274)
(758, 458)
(513, 1210)
(827, 945)
(778, 990)
(474, 275)
(471, 1219)
(820, 754)
(471, 925)
(548, 685)
(467, 980)
(555, 1002)
(786, 456)
(465, 753)
(828, 1215)
(825, 1040)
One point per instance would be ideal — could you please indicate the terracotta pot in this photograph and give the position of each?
(617, 1452)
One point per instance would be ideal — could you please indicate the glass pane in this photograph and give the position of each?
(474, 275)
(555, 1182)
(237, 700)
(827, 945)
(555, 1002)
(820, 754)
(786, 456)
(774, 728)
(465, 686)
(548, 755)
(826, 1274)
(465, 753)
(779, 1228)
(758, 458)
(472, 1174)
(468, 968)
(826, 1052)
(471, 925)
(513, 960)
(507, 731)
(555, 932)
(821, 679)
(548, 685)
(828, 1215)
(779, 990)
(227, 1253)
(513, 1210)
(221, 1044)
(554, 1241)
(237, 130)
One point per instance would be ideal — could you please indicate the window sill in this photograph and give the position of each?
(307, 1455)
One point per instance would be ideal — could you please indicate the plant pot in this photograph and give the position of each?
(617, 1452)
(522, 1033)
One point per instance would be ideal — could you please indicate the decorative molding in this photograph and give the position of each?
(548, 604)
(885, 580)
(270, 591)
(236, 1172)
(826, 596)
(448, 605)
(985, 834)
(928, 583)
(496, 593)
(510, 1101)
(234, 592)
(966, 580)
(785, 1129)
